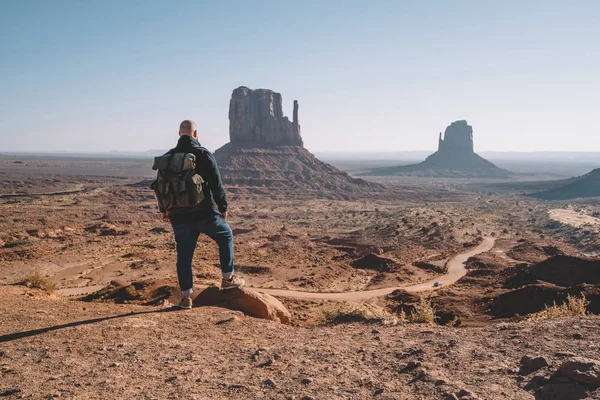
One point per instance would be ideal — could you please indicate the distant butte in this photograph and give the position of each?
(266, 150)
(455, 158)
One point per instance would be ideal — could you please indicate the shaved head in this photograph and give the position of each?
(187, 127)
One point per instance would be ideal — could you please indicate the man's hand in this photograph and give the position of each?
(224, 215)
(165, 216)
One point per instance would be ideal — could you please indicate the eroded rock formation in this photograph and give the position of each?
(256, 119)
(455, 158)
(266, 150)
(458, 138)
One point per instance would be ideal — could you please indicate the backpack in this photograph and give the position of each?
(177, 184)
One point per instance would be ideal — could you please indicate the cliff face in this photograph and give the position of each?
(458, 137)
(256, 119)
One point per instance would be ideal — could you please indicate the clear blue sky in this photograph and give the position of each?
(369, 75)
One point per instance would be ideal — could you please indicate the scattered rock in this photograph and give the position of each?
(306, 381)
(581, 370)
(530, 364)
(464, 393)
(10, 392)
(564, 354)
(410, 366)
(562, 391)
(267, 363)
(377, 263)
(536, 382)
(104, 229)
(224, 321)
(451, 396)
(238, 387)
(260, 305)
(270, 383)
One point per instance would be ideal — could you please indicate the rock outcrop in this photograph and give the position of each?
(256, 119)
(251, 302)
(266, 150)
(455, 158)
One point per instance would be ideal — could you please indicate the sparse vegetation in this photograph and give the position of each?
(573, 307)
(364, 312)
(424, 312)
(37, 281)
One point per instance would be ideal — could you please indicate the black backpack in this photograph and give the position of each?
(177, 184)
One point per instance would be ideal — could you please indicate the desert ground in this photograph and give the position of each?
(357, 276)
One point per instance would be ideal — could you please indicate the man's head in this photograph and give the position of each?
(188, 128)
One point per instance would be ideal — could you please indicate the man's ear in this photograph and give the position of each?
(195, 134)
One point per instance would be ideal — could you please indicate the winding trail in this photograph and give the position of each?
(455, 266)
(456, 269)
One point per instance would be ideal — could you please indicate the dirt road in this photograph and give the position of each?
(455, 267)
(573, 218)
(455, 270)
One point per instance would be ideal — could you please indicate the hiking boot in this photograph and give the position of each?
(232, 283)
(185, 303)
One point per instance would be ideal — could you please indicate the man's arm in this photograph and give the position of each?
(210, 173)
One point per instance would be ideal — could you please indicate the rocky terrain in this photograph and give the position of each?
(266, 151)
(51, 347)
(102, 325)
(455, 158)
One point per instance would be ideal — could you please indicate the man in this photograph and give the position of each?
(209, 217)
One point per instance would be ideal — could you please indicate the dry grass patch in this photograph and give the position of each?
(424, 312)
(364, 312)
(37, 281)
(573, 307)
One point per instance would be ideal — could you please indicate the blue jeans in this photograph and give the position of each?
(186, 237)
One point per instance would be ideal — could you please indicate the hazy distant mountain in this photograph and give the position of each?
(587, 185)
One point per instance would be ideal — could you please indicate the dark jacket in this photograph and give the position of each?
(214, 194)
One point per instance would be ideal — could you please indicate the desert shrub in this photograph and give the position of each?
(573, 307)
(364, 312)
(37, 281)
(423, 312)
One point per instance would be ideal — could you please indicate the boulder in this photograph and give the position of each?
(530, 364)
(249, 301)
(581, 370)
